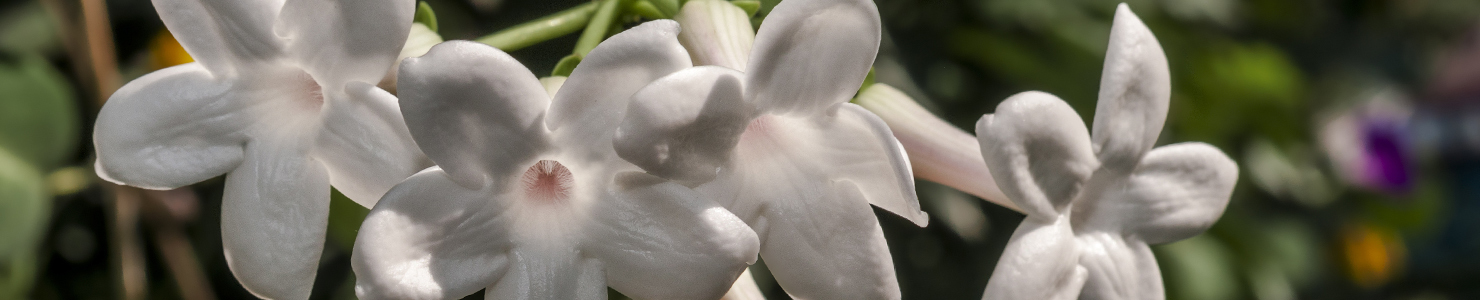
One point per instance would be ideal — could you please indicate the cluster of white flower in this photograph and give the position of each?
(662, 166)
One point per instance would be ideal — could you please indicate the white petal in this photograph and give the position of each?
(661, 240)
(365, 145)
(171, 128)
(1177, 192)
(430, 238)
(716, 33)
(1135, 88)
(339, 42)
(553, 274)
(1041, 261)
(273, 215)
(818, 235)
(590, 105)
(860, 148)
(223, 35)
(1118, 269)
(685, 125)
(938, 151)
(1038, 151)
(812, 54)
(473, 110)
(828, 246)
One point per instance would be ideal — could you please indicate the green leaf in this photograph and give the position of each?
(668, 7)
(566, 65)
(749, 6)
(25, 210)
(38, 112)
(345, 217)
(646, 9)
(29, 28)
(425, 16)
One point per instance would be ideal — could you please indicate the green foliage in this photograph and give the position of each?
(1198, 268)
(425, 16)
(38, 115)
(345, 217)
(566, 65)
(749, 6)
(25, 210)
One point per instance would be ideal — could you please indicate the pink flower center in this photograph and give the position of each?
(547, 181)
(308, 89)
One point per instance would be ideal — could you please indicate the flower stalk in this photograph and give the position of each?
(543, 29)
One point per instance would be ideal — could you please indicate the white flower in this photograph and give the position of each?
(530, 201)
(282, 100)
(779, 145)
(1094, 202)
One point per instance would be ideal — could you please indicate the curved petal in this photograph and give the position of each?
(223, 35)
(716, 32)
(273, 215)
(590, 105)
(812, 54)
(473, 110)
(1118, 269)
(860, 148)
(1135, 88)
(1038, 152)
(818, 235)
(661, 240)
(365, 145)
(1041, 261)
(1177, 192)
(430, 238)
(938, 151)
(538, 273)
(829, 246)
(685, 125)
(171, 128)
(340, 42)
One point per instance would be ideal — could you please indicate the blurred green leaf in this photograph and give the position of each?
(345, 217)
(38, 113)
(28, 28)
(1199, 268)
(25, 210)
(566, 65)
(749, 6)
(425, 15)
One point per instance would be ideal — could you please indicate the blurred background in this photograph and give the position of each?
(1356, 125)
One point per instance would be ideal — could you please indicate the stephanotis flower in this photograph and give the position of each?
(1094, 202)
(777, 143)
(282, 100)
(530, 201)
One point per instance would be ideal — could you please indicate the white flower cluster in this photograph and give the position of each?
(662, 167)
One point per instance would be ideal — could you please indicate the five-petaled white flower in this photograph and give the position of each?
(778, 144)
(1095, 202)
(283, 101)
(530, 201)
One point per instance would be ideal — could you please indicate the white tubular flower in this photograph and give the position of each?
(530, 201)
(780, 147)
(1094, 202)
(938, 151)
(282, 100)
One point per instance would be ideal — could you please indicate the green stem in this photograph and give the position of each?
(543, 29)
(596, 29)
